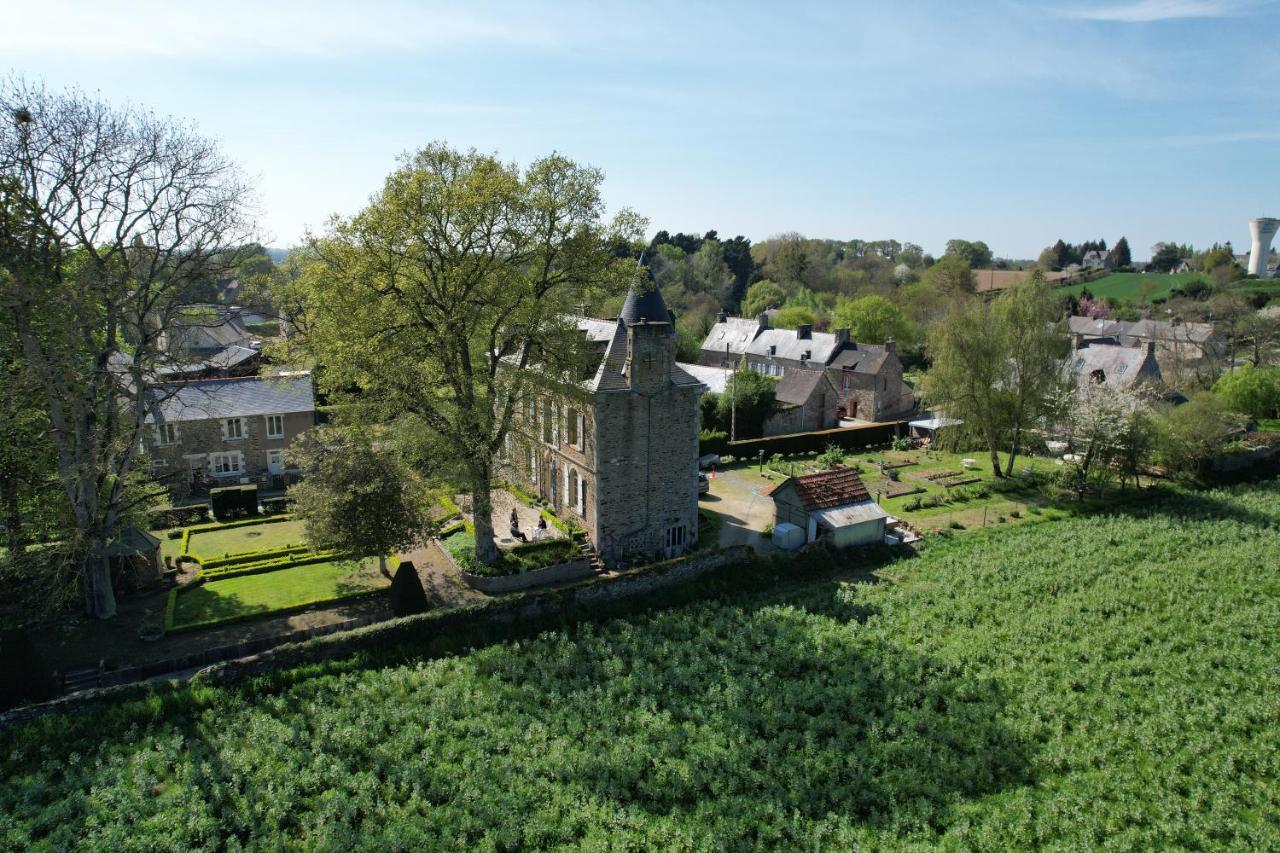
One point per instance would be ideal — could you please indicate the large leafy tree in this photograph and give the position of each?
(107, 218)
(357, 498)
(951, 275)
(998, 366)
(872, 319)
(431, 303)
(762, 296)
(975, 253)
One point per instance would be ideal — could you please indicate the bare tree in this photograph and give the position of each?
(107, 217)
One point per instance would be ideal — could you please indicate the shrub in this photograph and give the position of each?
(163, 519)
(712, 441)
(901, 443)
(275, 506)
(955, 525)
(230, 502)
(832, 457)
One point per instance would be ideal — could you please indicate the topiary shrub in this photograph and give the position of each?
(407, 594)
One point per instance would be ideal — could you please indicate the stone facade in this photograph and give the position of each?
(807, 401)
(868, 380)
(619, 456)
(211, 433)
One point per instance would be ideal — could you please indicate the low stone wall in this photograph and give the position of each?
(571, 571)
(499, 619)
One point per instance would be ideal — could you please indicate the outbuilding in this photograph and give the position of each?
(832, 504)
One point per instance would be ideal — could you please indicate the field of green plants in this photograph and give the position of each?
(1128, 286)
(1097, 681)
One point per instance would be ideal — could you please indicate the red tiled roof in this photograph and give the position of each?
(830, 488)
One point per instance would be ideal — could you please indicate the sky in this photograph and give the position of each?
(1015, 122)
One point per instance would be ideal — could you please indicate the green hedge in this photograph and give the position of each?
(263, 566)
(250, 556)
(713, 441)
(450, 506)
(815, 442)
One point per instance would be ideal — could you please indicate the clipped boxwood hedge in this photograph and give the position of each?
(288, 561)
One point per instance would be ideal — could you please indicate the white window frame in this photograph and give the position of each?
(279, 453)
(582, 496)
(223, 459)
(166, 429)
(227, 429)
(272, 420)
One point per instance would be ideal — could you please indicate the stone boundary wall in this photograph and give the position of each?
(499, 618)
(559, 573)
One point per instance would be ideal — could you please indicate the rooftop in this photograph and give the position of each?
(827, 489)
(207, 399)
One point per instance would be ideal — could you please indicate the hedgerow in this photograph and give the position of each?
(1103, 681)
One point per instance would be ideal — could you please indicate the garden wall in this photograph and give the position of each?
(849, 438)
(571, 571)
(453, 630)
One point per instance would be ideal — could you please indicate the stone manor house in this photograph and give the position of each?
(619, 455)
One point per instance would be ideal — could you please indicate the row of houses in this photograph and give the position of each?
(823, 377)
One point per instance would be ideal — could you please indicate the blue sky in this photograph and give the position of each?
(1009, 122)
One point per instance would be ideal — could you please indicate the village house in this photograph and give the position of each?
(865, 379)
(618, 454)
(1174, 340)
(804, 401)
(210, 341)
(215, 432)
(831, 504)
(1126, 367)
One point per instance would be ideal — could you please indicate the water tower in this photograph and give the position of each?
(1262, 230)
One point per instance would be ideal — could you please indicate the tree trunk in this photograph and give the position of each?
(482, 514)
(382, 565)
(1013, 452)
(995, 458)
(12, 516)
(100, 598)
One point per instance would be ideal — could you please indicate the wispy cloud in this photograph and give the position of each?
(1149, 11)
(154, 28)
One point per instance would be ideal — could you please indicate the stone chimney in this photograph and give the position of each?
(889, 345)
(1077, 341)
(842, 336)
(763, 319)
(722, 317)
(804, 331)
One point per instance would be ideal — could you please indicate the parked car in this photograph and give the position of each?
(704, 485)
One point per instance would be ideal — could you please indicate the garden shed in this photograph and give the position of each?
(832, 504)
(135, 559)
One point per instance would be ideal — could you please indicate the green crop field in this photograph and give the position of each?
(252, 595)
(1128, 285)
(1105, 681)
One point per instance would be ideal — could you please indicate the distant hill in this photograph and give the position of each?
(277, 255)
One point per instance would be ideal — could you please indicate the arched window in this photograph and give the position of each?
(572, 493)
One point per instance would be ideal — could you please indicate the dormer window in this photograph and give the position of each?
(773, 349)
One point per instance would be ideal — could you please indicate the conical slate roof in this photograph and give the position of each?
(646, 306)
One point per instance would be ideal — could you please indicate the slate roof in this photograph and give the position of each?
(645, 306)
(1142, 330)
(597, 331)
(1122, 367)
(196, 334)
(736, 333)
(206, 399)
(827, 489)
(130, 541)
(715, 378)
(821, 346)
(861, 358)
(609, 375)
(797, 386)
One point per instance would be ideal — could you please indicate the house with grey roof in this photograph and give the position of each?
(1173, 338)
(867, 377)
(211, 432)
(209, 341)
(804, 401)
(616, 452)
(1127, 367)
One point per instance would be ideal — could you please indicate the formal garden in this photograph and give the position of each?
(257, 567)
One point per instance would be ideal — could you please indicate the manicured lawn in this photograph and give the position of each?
(254, 537)
(1106, 682)
(1128, 285)
(254, 595)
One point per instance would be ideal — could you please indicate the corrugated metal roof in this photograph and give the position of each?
(843, 516)
(206, 399)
